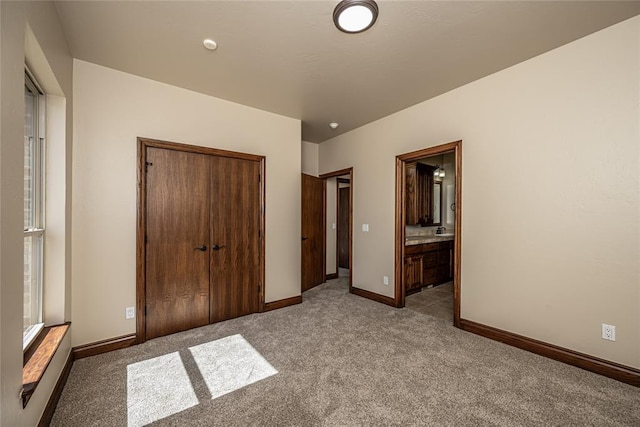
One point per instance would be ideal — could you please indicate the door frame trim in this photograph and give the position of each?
(456, 148)
(345, 171)
(141, 222)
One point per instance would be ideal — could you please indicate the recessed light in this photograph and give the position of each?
(355, 16)
(210, 44)
(333, 125)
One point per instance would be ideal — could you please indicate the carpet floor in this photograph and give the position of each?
(337, 360)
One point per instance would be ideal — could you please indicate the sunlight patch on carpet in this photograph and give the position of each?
(157, 388)
(229, 364)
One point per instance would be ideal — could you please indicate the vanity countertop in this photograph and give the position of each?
(418, 240)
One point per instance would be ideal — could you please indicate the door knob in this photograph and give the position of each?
(217, 248)
(202, 248)
(305, 238)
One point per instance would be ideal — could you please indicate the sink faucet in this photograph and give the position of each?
(441, 230)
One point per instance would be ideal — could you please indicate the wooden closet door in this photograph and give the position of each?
(235, 237)
(177, 269)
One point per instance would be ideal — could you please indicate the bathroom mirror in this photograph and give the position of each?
(437, 203)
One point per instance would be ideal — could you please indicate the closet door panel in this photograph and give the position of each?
(234, 231)
(177, 234)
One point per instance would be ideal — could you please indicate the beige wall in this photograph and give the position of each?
(309, 158)
(112, 109)
(556, 134)
(47, 51)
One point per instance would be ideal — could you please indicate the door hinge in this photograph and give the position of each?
(259, 234)
(145, 310)
(259, 177)
(146, 239)
(146, 166)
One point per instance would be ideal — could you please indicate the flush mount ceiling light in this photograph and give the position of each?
(333, 125)
(355, 16)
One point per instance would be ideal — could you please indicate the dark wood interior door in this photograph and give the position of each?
(177, 236)
(344, 228)
(235, 237)
(312, 231)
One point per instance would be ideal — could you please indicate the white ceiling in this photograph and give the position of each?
(288, 58)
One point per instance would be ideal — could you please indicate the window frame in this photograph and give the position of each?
(36, 230)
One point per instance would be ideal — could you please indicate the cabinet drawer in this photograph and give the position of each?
(418, 249)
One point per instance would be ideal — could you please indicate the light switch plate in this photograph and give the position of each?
(365, 227)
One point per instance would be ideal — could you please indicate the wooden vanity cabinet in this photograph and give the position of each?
(428, 264)
(413, 273)
(419, 194)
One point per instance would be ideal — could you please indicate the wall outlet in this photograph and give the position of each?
(608, 332)
(385, 280)
(333, 225)
(129, 313)
(365, 227)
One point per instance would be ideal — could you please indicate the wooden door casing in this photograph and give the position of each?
(235, 229)
(313, 190)
(177, 274)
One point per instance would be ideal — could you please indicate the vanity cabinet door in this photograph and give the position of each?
(430, 259)
(443, 256)
(430, 274)
(413, 272)
(443, 273)
(444, 262)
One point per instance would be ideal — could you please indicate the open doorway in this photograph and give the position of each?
(428, 231)
(338, 228)
(343, 227)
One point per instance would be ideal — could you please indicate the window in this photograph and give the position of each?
(33, 209)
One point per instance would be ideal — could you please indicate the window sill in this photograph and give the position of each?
(38, 362)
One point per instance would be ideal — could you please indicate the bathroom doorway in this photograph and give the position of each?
(428, 231)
